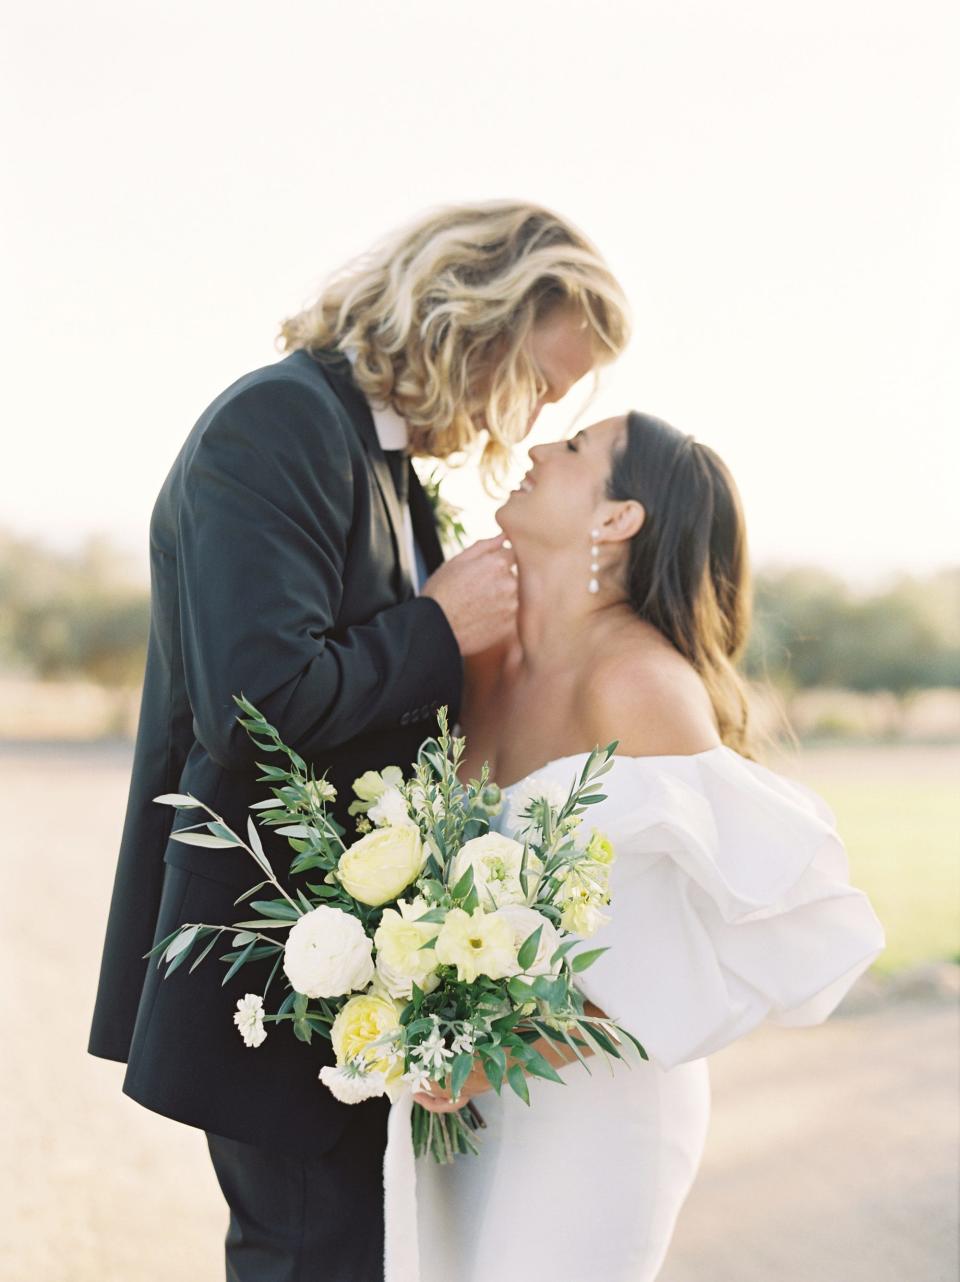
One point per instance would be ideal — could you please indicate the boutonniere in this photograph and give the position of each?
(446, 515)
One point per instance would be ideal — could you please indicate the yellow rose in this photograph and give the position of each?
(380, 866)
(360, 1022)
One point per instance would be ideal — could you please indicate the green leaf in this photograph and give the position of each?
(563, 950)
(528, 949)
(540, 1066)
(201, 839)
(183, 940)
(221, 830)
(271, 803)
(287, 1003)
(241, 961)
(242, 937)
(583, 960)
(204, 952)
(464, 885)
(434, 915)
(518, 1080)
(262, 923)
(180, 800)
(519, 991)
(600, 1037)
(459, 1073)
(552, 991)
(626, 1032)
(495, 1065)
(276, 908)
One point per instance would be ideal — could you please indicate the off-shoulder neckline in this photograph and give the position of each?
(582, 756)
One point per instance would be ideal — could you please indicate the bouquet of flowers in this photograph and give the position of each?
(429, 945)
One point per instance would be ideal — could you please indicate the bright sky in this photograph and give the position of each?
(776, 185)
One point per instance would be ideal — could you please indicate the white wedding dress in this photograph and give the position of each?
(730, 905)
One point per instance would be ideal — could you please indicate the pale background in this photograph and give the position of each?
(777, 186)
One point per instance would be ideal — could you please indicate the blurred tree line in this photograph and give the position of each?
(811, 629)
(74, 615)
(83, 615)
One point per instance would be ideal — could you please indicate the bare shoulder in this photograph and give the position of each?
(650, 699)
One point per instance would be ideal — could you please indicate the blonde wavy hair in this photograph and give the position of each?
(437, 318)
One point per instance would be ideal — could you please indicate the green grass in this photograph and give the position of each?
(903, 838)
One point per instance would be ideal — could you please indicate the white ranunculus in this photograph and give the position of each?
(327, 954)
(524, 921)
(390, 810)
(532, 789)
(248, 1017)
(496, 861)
(351, 1087)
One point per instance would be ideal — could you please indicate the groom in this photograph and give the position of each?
(295, 559)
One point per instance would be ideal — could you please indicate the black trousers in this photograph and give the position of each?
(318, 1219)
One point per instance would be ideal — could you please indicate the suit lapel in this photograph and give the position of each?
(338, 371)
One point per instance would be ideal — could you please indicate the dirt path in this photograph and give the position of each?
(833, 1153)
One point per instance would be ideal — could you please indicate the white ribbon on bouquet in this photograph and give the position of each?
(401, 1252)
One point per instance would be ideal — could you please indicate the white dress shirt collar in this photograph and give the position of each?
(392, 430)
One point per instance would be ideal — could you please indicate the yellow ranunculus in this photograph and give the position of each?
(380, 866)
(361, 1021)
(477, 943)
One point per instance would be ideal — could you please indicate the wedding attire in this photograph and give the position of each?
(281, 569)
(730, 905)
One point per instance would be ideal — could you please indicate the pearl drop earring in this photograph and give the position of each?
(594, 584)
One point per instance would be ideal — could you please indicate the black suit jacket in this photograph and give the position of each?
(277, 570)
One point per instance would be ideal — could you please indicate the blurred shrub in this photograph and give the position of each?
(71, 615)
(811, 630)
(82, 615)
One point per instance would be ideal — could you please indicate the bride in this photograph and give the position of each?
(730, 899)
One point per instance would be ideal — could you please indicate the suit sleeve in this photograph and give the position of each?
(263, 532)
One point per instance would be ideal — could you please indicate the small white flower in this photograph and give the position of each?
(350, 1084)
(418, 1078)
(390, 810)
(463, 1042)
(248, 1017)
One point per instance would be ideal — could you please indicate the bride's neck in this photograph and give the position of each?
(557, 612)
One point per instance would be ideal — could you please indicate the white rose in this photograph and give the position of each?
(327, 954)
(524, 921)
(496, 861)
(390, 810)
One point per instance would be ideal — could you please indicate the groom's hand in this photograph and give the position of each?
(477, 591)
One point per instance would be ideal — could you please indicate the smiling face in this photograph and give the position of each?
(563, 495)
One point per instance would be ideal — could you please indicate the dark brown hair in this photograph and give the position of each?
(687, 570)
